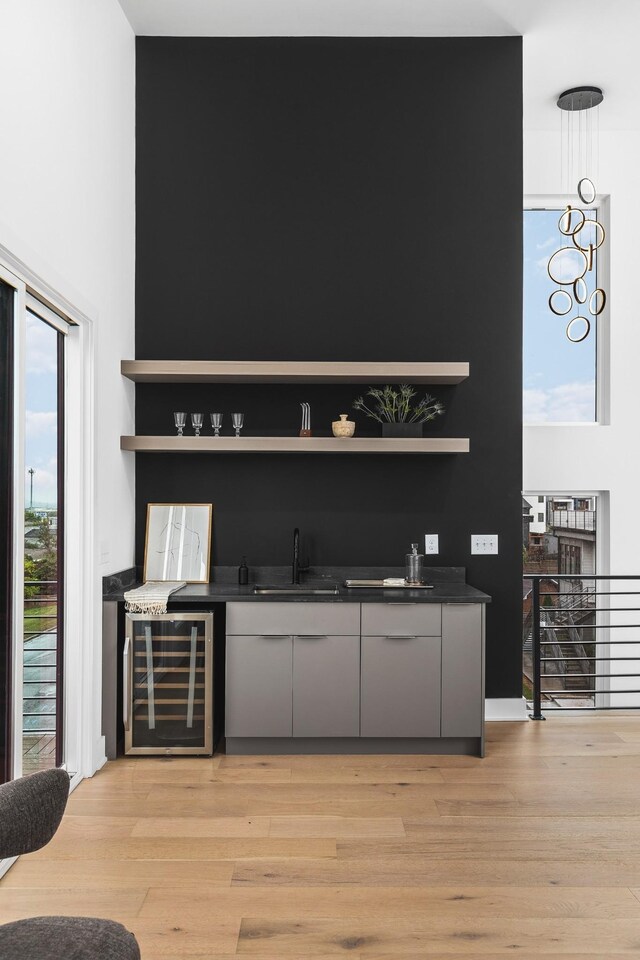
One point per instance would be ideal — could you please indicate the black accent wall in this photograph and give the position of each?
(347, 199)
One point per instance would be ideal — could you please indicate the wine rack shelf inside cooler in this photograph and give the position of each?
(167, 684)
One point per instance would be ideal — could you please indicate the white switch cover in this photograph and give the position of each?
(431, 543)
(484, 543)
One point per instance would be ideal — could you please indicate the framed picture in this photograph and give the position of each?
(178, 542)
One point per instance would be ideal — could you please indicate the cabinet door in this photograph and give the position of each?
(258, 686)
(326, 686)
(400, 687)
(462, 669)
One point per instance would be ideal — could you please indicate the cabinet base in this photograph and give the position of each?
(259, 746)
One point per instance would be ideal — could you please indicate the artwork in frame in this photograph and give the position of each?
(178, 542)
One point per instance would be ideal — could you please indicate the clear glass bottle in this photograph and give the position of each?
(413, 565)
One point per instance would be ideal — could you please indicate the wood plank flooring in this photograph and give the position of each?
(533, 852)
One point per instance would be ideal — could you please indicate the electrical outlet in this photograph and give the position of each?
(431, 543)
(484, 543)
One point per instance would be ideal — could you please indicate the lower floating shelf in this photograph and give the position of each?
(142, 444)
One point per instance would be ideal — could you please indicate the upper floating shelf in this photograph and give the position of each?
(173, 444)
(307, 371)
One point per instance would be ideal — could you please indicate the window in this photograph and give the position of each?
(47, 603)
(566, 545)
(559, 377)
(540, 499)
(43, 538)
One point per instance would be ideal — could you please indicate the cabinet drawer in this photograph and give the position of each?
(297, 617)
(401, 619)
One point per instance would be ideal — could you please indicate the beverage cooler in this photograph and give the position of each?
(168, 683)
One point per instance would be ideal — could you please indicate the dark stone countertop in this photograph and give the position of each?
(449, 586)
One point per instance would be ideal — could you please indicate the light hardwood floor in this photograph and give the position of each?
(532, 852)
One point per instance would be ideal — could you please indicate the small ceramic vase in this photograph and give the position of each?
(343, 427)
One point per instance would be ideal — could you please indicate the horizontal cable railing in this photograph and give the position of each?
(39, 683)
(579, 649)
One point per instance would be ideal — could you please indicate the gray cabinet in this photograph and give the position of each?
(300, 676)
(400, 686)
(258, 686)
(308, 672)
(326, 674)
(462, 669)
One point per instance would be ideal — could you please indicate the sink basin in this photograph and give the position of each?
(296, 589)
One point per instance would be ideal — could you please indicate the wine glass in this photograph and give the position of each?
(196, 422)
(237, 419)
(180, 419)
(216, 423)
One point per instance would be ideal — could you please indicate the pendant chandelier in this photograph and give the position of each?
(582, 234)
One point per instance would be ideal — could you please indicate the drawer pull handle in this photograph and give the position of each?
(312, 636)
(401, 636)
(402, 603)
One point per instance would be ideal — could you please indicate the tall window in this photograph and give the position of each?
(559, 376)
(43, 567)
(32, 483)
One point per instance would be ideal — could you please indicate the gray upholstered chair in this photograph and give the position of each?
(30, 812)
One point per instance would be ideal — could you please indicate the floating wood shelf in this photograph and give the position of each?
(307, 371)
(176, 444)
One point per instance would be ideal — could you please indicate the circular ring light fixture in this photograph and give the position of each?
(580, 226)
(597, 302)
(594, 234)
(560, 303)
(578, 329)
(580, 291)
(566, 224)
(567, 265)
(586, 190)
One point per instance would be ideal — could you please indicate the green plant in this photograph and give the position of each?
(397, 406)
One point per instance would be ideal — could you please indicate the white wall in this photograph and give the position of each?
(67, 210)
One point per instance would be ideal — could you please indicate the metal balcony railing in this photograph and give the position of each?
(585, 643)
(572, 520)
(39, 693)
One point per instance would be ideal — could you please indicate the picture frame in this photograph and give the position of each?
(178, 542)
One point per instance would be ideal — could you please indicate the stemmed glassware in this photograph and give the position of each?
(237, 419)
(216, 423)
(180, 419)
(196, 422)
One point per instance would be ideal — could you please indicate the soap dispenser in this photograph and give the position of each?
(413, 565)
(243, 573)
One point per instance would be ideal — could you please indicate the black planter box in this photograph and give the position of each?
(402, 430)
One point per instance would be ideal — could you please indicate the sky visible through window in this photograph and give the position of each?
(558, 376)
(41, 412)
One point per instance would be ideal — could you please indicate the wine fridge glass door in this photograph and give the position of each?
(167, 674)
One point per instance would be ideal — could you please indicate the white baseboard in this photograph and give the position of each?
(506, 708)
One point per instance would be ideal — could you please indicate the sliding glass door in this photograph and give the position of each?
(42, 699)
(32, 482)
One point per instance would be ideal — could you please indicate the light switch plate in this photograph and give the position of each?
(431, 544)
(484, 543)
